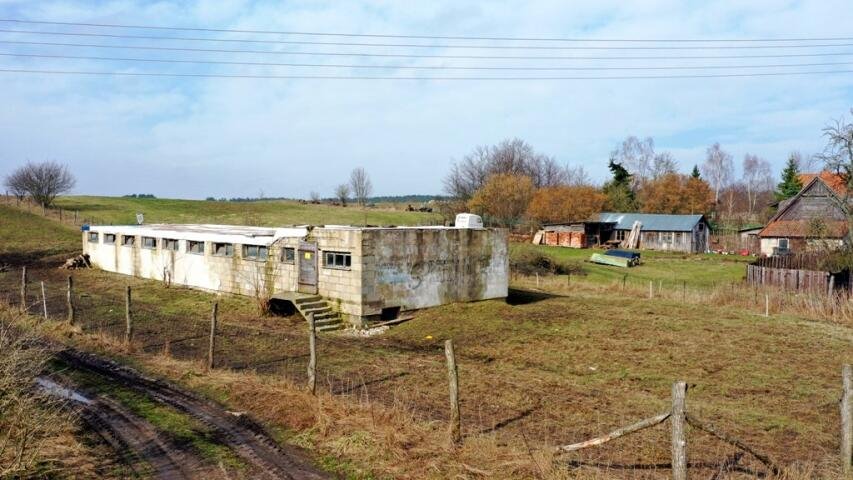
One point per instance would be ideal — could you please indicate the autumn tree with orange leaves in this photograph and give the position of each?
(503, 199)
(677, 194)
(566, 204)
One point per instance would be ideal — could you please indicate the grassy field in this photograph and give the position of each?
(121, 210)
(538, 370)
(670, 269)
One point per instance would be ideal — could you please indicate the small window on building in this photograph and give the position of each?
(169, 244)
(128, 240)
(223, 249)
(701, 226)
(93, 237)
(195, 247)
(783, 244)
(337, 260)
(149, 242)
(255, 252)
(288, 255)
(666, 237)
(110, 238)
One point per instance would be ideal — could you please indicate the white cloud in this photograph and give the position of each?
(193, 138)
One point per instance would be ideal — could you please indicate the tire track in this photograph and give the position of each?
(244, 436)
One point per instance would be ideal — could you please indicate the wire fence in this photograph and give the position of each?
(409, 377)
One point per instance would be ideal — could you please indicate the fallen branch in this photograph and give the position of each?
(695, 423)
(642, 424)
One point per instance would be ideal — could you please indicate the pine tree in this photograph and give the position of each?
(620, 196)
(790, 184)
(695, 172)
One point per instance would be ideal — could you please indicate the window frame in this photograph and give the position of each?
(109, 239)
(97, 237)
(284, 259)
(344, 257)
(132, 241)
(164, 244)
(229, 249)
(787, 244)
(190, 244)
(666, 238)
(258, 248)
(153, 243)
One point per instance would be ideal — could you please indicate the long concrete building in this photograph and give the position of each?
(337, 273)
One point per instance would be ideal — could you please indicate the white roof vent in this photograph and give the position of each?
(468, 220)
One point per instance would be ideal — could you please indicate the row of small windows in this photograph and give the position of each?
(220, 249)
(342, 260)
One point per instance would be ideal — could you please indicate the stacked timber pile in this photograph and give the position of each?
(633, 238)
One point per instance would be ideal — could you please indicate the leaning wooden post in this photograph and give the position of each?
(847, 419)
(679, 439)
(43, 300)
(69, 300)
(128, 319)
(23, 289)
(312, 358)
(453, 377)
(766, 304)
(212, 344)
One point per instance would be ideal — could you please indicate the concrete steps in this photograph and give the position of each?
(325, 319)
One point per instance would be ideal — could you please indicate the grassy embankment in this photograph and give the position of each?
(535, 372)
(120, 210)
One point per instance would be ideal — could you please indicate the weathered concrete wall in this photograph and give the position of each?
(422, 268)
(407, 267)
(225, 274)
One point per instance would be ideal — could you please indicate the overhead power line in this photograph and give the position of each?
(424, 37)
(423, 67)
(416, 45)
(359, 77)
(407, 55)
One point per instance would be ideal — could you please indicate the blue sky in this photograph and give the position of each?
(191, 138)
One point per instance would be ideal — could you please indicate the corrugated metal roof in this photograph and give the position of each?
(652, 221)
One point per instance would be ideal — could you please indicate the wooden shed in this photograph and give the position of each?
(678, 233)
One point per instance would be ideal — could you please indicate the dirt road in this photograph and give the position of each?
(165, 458)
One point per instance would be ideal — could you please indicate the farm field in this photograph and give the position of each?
(539, 370)
(122, 210)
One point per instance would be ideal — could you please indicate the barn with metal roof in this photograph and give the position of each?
(679, 233)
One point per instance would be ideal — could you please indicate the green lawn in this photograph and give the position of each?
(670, 269)
(25, 237)
(121, 210)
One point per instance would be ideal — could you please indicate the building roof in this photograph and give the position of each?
(803, 229)
(835, 181)
(653, 221)
(234, 233)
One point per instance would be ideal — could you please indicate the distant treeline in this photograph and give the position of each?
(379, 199)
(140, 195)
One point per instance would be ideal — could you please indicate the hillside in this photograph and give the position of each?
(123, 210)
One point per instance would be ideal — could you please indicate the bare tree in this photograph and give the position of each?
(43, 182)
(757, 178)
(637, 156)
(360, 185)
(515, 157)
(314, 197)
(342, 193)
(577, 176)
(663, 164)
(837, 156)
(718, 169)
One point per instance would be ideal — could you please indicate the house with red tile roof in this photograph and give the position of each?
(813, 218)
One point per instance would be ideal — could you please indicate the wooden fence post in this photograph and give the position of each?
(312, 358)
(537, 279)
(684, 290)
(624, 279)
(24, 289)
(69, 300)
(847, 419)
(75, 217)
(766, 304)
(43, 300)
(453, 377)
(651, 289)
(212, 344)
(679, 439)
(128, 319)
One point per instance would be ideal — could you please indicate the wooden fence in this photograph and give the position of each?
(804, 272)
